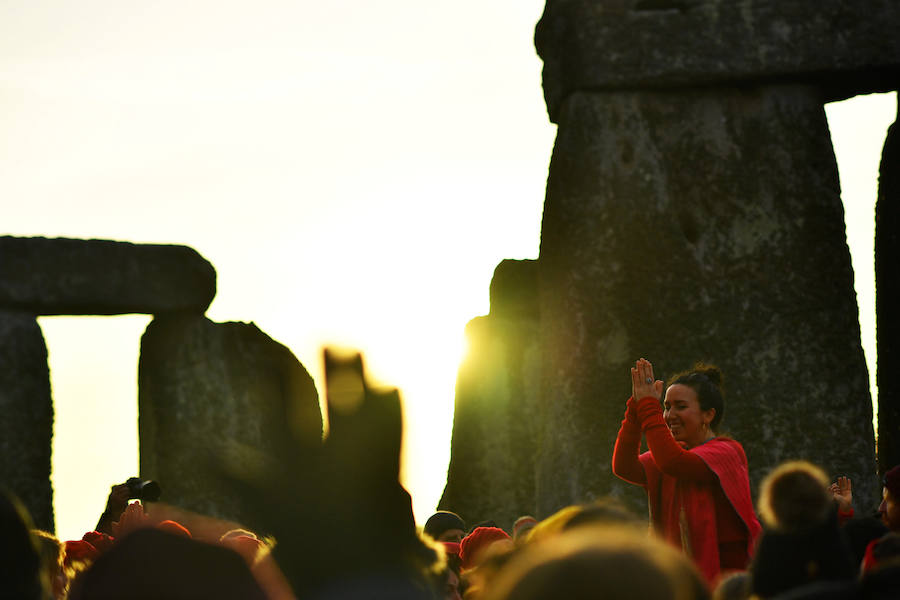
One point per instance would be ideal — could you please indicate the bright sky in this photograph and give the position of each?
(354, 170)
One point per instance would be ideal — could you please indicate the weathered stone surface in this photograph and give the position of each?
(846, 48)
(887, 301)
(213, 394)
(101, 277)
(26, 428)
(496, 420)
(699, 225)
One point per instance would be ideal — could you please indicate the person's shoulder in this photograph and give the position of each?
(723, 445)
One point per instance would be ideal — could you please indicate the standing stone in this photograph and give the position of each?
(887, 301)
(495, 424)
(699, 224)
(101, 277)
(26, 429)
(210, 397)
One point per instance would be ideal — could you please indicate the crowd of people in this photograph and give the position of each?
(353, 536)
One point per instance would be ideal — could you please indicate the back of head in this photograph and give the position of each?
(802, 544)
(794, 497)
(441, 521)
(151, 563)
(52, 553)
(604, 511)
(735, 586)
(612, 563)
(707, 382)
(20, 563)
(522, 526)
(553, 524)
(892, 481)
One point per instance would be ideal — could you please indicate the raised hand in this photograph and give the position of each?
(841, 490)
(131, 519)
(336, 507)
(643, 383)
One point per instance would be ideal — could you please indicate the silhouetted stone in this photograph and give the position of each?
(887, 301)
(102, 277)
(699, 225)
(847, 48)
(496, 421)
(514, 289)
(211, 397)
(26, 426)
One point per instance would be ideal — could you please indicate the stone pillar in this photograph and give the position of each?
(693, 213)
(887, 300)
(210, 396)
(496, 420)
(26, 429)
(699, 224)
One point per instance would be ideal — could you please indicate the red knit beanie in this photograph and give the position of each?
(450, 547)
(79, 551)
(100, 541)
(476, 542)
(892, 481)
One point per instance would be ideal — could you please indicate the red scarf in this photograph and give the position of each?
(684, 513)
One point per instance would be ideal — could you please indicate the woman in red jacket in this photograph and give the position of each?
(696, 481)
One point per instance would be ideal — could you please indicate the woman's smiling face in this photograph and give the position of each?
(684, 417)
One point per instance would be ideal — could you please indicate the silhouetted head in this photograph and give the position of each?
(612, 563)
(604, 511)
(522, 526)
(735, 586)
(151, 563)
(890, 503)
(20, 563)
(52, 553)
(445, 526)
(795, 497)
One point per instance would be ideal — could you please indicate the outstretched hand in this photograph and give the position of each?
(841, 490)
(643, 384)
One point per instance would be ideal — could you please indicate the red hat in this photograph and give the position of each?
(174, 527)
(478, 541)
(892, 481)
(450, 547)
(79, 551)
(100, 541)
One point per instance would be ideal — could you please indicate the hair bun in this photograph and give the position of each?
(711, 372)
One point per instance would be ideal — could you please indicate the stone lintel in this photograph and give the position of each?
(846, 48)
(102, 277)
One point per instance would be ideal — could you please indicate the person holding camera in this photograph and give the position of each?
(120, 494)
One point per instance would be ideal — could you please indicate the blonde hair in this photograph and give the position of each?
(794, 497)
(603, 561)
(553, 524)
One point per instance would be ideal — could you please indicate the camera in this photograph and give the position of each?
(143, 490)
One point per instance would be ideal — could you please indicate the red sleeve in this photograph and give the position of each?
(843, 517)
(668, 455)
(625, 463)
